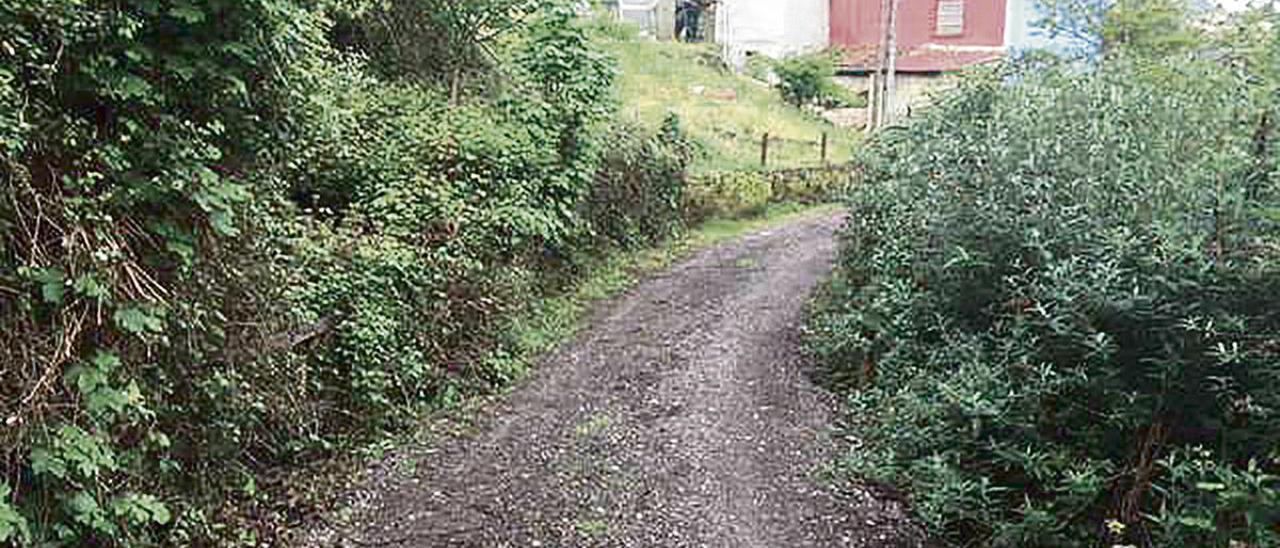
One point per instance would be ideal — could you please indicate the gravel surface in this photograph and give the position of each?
(682, 416)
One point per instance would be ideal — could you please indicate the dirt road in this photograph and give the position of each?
(682, 416)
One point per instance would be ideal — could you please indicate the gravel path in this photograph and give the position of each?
(683, 416)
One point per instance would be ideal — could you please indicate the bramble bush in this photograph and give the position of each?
(637, 195)
(239, 236)
(1055, 308)
(132, 131)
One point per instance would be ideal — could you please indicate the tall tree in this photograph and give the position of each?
(443, 41)
(1078, 21)
(1149, 28)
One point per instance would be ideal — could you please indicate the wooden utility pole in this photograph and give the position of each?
(891, 79)
(884, 85)
(882, 64)
(824, 148)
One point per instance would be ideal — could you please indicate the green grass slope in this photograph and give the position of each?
(658, 77)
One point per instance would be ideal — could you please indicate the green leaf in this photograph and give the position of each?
(86, 379)
(84, 508)
(238, 87)
(160, 513)
(187, 13)
(133, 87)
(83, 504)
(135, 54)
(45, 462)
(149, 7)
(138, 320)
(13, 526)
(185, 251)
(88, 453)
(158, 439)
(106, 399)
(1203, 524)
(176, 240)
(141, 509)
(106, 361)
(223, 224)
(52, 284)
(89, 286)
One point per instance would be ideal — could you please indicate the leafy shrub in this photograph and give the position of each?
(729, 194)
(1055, 310)
(637, 195)
(759, 67)
(809, 80)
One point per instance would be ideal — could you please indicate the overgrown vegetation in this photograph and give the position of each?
(236, 236)
(1055, 312)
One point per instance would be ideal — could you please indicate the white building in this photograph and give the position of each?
(775, 28)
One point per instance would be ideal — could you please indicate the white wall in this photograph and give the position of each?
(776, 28)
(809, 24)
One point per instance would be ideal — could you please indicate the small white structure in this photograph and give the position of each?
(775, 28)
(656, 18)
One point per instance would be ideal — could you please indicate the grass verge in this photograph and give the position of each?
(660, 77)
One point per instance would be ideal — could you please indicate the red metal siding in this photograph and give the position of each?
(856, 26)
(841, 22)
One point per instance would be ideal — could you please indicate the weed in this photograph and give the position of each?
(592, 426)
(592, 527)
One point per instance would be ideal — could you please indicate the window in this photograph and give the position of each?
(950, 18)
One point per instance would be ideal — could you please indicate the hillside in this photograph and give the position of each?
(657, 78)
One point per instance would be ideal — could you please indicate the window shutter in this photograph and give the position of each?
(950, 18)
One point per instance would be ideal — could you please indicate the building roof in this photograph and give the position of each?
(920, 59)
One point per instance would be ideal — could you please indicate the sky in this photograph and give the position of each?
(1019, 32)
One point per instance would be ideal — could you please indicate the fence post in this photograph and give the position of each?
(824, 148)
(764, 150)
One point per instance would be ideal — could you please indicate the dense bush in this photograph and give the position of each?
(729, 194)
(448, 42)
(238, 235)
(812, 185)
(133, 130)
(1056, 308)
(744, 193)
(810, 80)
(639, 190)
